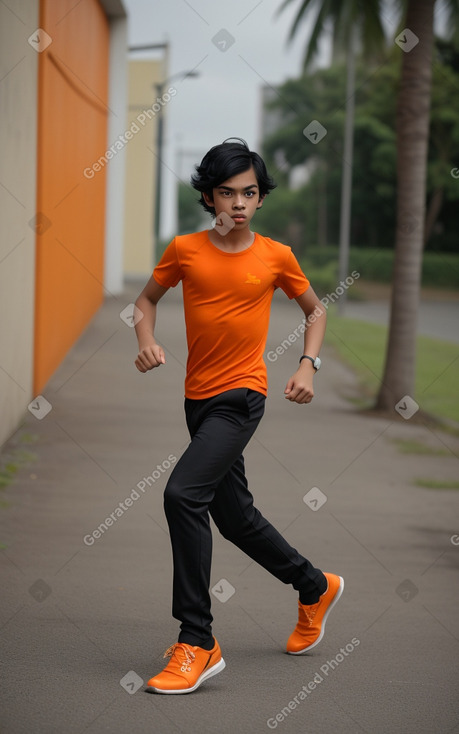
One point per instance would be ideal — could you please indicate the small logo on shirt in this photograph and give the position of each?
(252, 279)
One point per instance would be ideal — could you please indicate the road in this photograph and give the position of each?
(437, 319)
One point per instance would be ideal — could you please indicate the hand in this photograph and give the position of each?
(299, 388)
(149, 357)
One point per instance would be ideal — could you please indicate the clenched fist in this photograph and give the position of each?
(149, 357)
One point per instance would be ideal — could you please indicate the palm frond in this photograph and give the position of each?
(300, 16)
(342, 15)
(317, 31)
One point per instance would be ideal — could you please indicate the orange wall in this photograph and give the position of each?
(72, 135)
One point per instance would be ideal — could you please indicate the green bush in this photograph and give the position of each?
(317, 257)
(439, 270)
(323, 279)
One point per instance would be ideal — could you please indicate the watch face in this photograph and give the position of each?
(317, 363)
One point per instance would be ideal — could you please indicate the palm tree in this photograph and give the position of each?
(343, 16)
(413, 116)
(353, 24)
(412, 128)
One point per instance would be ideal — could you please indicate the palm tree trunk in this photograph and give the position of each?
(413, 114)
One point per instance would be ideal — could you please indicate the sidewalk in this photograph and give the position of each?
(79, 616)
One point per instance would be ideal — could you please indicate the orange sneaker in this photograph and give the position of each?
(312, 617)
(188, 667)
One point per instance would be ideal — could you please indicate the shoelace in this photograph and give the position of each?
(310, 617)
(189, 656)
(311, 614)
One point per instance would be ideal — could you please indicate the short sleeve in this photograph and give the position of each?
(291, 279)
(168, 271)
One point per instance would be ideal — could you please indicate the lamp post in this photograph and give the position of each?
(159, 152)
(346, 185)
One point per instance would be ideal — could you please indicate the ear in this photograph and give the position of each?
(260, 201)
(208, 199)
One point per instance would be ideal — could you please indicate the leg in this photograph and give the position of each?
(220, 428)
(238, 520)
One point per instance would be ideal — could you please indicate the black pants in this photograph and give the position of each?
(210, 478)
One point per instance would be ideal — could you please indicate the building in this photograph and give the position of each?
(63, 82)
(148, 98)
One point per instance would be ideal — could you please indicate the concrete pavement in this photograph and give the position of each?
(438, 319)
(85, 609)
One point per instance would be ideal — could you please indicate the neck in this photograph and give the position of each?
(234, 241)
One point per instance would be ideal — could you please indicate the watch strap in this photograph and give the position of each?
(306, 356)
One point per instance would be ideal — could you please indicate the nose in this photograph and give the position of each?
(238, 203)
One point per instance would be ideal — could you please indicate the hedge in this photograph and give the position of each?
(439, 270)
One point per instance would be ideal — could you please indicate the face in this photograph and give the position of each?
(238, 197)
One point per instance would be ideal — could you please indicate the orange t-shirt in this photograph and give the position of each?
(227, 299)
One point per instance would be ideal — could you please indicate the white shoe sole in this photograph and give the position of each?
(217, 668)
(335, 599)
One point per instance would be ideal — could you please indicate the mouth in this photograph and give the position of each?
(239, 217)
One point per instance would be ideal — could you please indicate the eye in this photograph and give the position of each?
(250, 194)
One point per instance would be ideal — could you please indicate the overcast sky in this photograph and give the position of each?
(225, 100)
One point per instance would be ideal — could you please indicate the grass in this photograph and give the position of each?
(407, 446)
(362, 346)
(14, 458)
(436, 484)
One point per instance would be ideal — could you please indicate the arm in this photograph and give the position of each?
(151, 354)
(299, 388)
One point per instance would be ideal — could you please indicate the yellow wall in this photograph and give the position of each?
(72, 125)
(141, 165)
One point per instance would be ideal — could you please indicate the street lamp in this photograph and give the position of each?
(159, 151)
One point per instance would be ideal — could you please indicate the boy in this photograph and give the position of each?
(228, 277)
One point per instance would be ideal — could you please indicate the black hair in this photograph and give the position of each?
(225, 161)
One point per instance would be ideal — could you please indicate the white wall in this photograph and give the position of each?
(117, 102)
(18, 155)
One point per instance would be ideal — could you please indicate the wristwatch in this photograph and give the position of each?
(316, 363)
